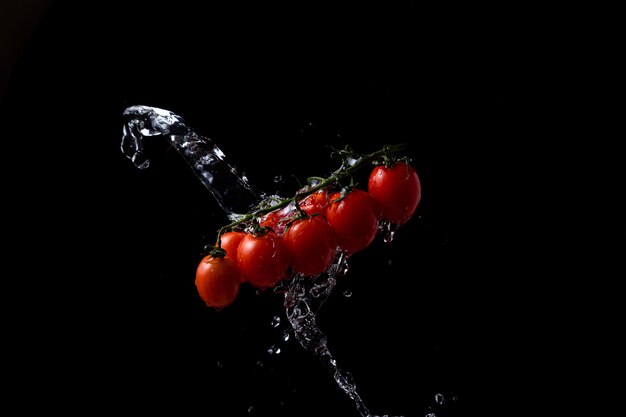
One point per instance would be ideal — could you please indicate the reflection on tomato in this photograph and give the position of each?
(316, 203)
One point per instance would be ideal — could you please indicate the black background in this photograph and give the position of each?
(114, 322)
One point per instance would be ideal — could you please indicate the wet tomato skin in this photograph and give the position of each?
(316, 203)
(217, 281)
(263, 259)
(230, 242)
(277, 220)
(397, 190)
(354, 220)
(311, 244)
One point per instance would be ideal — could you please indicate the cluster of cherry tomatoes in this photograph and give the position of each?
(306, 240)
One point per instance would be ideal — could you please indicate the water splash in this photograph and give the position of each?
(303, 296)
(303, 299)
(230, 189)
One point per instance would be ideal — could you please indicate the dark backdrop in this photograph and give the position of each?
(113, 321)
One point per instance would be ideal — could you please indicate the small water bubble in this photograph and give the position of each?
(275, 321)
(316, 291)
(455, 398)
(431, 415)
(260, 364)
(389, 262)
(351, 160)
(274, 350)
(220, 364)
(258, 292)
(347, 293)
(440, 399)
(389, 236)
(286, 335)
(251, 409)
(278, 179)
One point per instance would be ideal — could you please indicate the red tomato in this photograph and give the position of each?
(230, 241)
(277, 220)
(263, 260)
(397, 191)
(316, 203)
(217, 281)
(311, 244)
(354, 220)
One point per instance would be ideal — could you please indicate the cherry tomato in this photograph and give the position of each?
(397, 191)
(277, 220)
(315, 203)
(311, 244)
(230, 242)
(354, 220)
(263, 259)
(217, 281)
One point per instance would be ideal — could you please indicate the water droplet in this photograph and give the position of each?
(251, 409)
(440, 399)
(351, 160)
(390, 262)
(220, 364)
(278, 178)
(431, 415)
(286, 335)
(274, 350)
(258, 292)
(387, 230)
(455, 398)
(342, 265)
(260, 364)
(275, 321)
(347, 293)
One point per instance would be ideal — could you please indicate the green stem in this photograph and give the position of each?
(339, 173)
